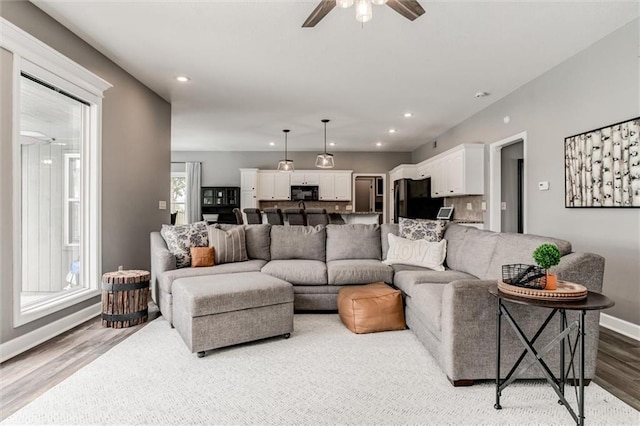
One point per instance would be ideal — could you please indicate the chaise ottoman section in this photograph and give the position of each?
(215, 311)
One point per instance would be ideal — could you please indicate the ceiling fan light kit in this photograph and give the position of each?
(410, 9)
(325, 160)
(286, 165)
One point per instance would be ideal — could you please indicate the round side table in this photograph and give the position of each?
(125, 298)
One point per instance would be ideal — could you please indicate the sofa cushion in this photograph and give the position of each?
(475, 252)
(228, 246)
(385, 230)
(427, 299)
(298, 271)
(358, 271)
(416, 252)
(298, 242)
(454, 234)
(422, 229)
(217, 294)
(518, 248)
(180, 238)
(168, 277)
(257, 239)
(407, 280)
(358, 241)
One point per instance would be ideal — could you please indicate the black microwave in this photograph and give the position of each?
(304, 193)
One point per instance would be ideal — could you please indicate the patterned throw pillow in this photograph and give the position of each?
(201, 256)
(228, 246)
(180, 238)
(422, 229)
(427, 254)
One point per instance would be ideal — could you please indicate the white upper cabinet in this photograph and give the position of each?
(304, 178)
(334, 186)
(459, 171)
(273, 185)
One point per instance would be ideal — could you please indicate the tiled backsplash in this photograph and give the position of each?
(460, 211)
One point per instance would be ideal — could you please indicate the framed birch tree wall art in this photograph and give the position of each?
(602, 166)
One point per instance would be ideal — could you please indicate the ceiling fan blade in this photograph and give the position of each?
(410, 9)
(319, 12)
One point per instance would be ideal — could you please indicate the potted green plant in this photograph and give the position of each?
(547, 255)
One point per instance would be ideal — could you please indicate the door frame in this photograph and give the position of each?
(495, 180)
(384, 186)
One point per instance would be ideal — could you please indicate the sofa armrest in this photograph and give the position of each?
(582, 268)
(161, 260)
(468, 328)
(469, 319)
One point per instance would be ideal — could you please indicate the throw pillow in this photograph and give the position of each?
(422, 229)
(181, 238)
(427, 254)
(201, 256)
(228, 246)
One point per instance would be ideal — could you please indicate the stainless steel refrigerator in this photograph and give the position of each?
(413, 200)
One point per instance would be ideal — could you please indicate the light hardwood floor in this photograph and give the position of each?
(27, 376)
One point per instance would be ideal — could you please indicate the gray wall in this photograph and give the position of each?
(136, 151)
(222, 168)
(596, 87)
(509, 190)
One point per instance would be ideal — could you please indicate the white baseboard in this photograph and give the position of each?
(27, 341)
(618, 325)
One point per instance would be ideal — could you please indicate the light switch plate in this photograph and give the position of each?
(484, 206)
(469, 206)
(162, 205)
(543, 186)
(349, 207)
(503, 205)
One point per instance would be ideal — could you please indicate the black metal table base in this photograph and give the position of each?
(557, 383)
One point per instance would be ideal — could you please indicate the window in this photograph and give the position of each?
(56, 178)
(179, 196)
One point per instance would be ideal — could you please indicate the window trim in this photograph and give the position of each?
(34, 57)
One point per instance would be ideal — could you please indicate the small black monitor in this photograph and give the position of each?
(445, 213)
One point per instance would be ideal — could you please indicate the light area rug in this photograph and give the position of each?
(323, 374)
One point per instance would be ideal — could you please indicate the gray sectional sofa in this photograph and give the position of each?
(450, 312)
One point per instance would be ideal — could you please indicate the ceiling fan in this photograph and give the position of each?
(410, 9)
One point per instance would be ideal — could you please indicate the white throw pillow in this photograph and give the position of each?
(416, 252)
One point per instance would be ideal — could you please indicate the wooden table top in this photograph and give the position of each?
(594, 301)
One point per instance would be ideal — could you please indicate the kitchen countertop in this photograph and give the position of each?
(352, 212)
(466, 221)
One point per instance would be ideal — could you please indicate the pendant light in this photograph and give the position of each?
(325, 160)
(344, 3)
(286, 165)
(364, 11)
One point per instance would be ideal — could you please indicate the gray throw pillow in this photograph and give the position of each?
(228, 246)
(181, 238)
(422, 229)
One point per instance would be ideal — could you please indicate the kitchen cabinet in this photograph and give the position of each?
(459, 171)
(273, 185)
(334, 186)
(304, 178)
(248, 188)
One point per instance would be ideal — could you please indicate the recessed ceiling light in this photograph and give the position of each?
(481, 94)
(378, 143)
(182, 78)
(408, 114)
(332, 144)
(272, 143)
(392, 130)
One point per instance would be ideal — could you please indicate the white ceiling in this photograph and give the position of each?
(255, 71)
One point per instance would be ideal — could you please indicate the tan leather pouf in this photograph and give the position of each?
(371, 308)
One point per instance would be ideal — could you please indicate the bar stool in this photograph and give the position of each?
(317, 217)
(296, 216)
(238, 213)
(274, 216)
(254, 217)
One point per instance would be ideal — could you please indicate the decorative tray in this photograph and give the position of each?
(566, 291)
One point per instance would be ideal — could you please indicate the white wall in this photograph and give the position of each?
(596, 87)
